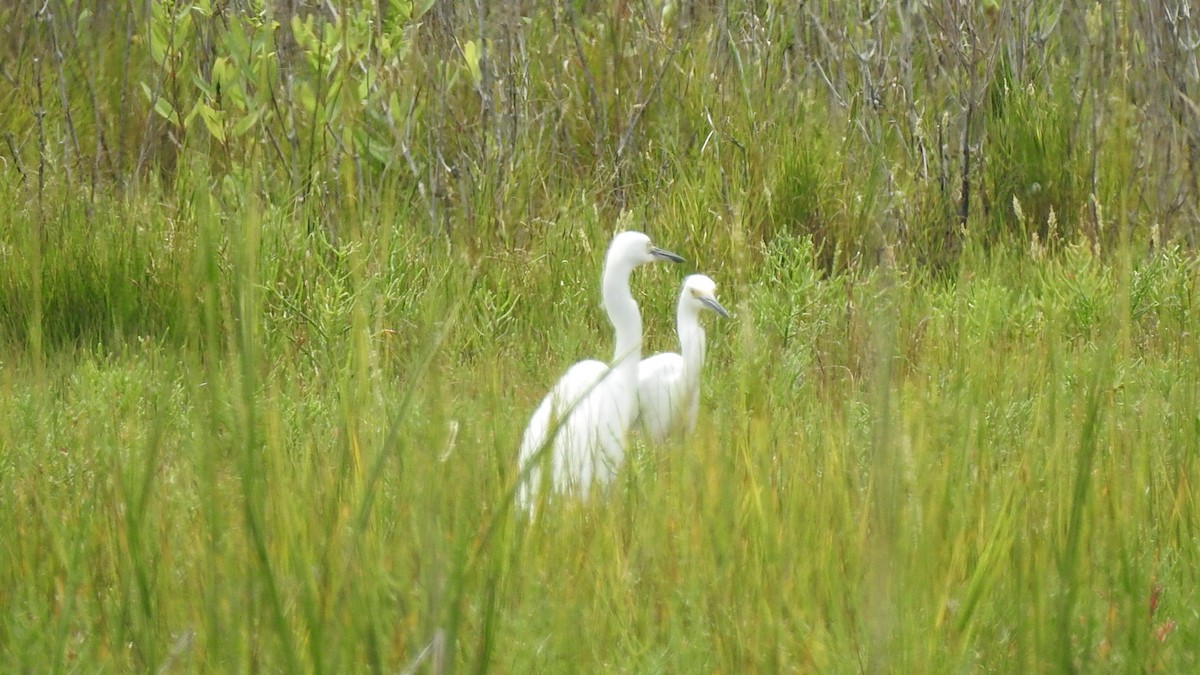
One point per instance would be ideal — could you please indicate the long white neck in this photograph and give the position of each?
(626, 320)
(691, 346)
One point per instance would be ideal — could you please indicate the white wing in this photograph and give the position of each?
(569, 396)
(660, 399)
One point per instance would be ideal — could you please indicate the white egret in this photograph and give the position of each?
(591, 408)
(669, 383)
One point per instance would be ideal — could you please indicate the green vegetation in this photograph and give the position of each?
(280, 284)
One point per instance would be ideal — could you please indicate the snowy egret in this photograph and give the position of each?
(669, 384)
(591, 408)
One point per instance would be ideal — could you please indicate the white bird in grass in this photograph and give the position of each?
(585, 419)
(669, 383)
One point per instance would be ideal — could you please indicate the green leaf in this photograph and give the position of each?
(221, 72)
(212, 121)
(235, 94)
(374, 149)
(183, 29)
(166, 111)
(330, 37)
(399, 11)
(158, 45)
(302, 32)
(81, 26)
(304, 94)
(202, 85)
(237, 43)
(246, 123)
(472, 55)
(421, 7)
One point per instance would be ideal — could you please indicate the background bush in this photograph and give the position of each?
(280, 283)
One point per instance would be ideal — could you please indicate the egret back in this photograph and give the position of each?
(661, 396)
(580, 395)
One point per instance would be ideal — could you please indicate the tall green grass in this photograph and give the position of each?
(895, 473)
(279, 291)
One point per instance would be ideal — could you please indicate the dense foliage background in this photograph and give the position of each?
(280, 283)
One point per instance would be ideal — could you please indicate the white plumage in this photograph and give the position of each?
(669, 383)
(592, 406)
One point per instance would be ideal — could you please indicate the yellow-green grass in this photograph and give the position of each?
(278, 297)
(993, 472)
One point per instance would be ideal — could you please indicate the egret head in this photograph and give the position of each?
(700, 293)
(636, 248)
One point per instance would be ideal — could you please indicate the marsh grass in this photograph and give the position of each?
(991, 472)
(266, 356)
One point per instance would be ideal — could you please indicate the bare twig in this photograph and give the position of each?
(640, 108)
(828, 45)
(64, 101)
(12, 149)
(40, 113)
(597, 110)
(964, 207)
